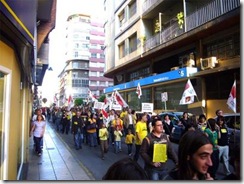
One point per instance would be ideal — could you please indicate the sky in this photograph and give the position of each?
(56, 37)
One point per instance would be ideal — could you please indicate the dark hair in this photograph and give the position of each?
(211, 124)
(220, 118)
(202, 116)
(125, 169)
(217, 111)
(155, 119)
(190, 142)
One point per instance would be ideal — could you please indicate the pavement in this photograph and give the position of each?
(56, 161)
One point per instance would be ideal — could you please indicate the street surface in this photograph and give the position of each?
(90, 157)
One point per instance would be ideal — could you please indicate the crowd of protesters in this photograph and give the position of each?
(204, 143)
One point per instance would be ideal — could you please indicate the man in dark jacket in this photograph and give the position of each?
(155, 150)
(77, 125)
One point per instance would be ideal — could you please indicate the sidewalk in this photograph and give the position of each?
(56, 161)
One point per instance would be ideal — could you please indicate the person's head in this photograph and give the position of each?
(220, 121)
(129, 131)
(185, 115)
(194, 155)
(78, 113)
(144, 117)
(202, 118)
(166, 117)
(39, 118)
(125, 169)
(157, 125)
(219, 112)
(211, 124)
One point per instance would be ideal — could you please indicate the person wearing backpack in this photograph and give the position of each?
(155, 150)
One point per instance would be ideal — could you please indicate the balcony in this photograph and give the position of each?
(195, 19)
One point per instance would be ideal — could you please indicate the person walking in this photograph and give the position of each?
(194, 156)
(103, 136)
(212, 132)
(129, 140)
(223, 144)
(129, 122)
(38, 130)
(117, 138)
(168, 124)
(155, 150)
(140, 133)
(76, 129)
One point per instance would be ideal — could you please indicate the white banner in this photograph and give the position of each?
(98, 105)
(147, 107)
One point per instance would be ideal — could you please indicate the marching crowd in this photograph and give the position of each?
(203, 144)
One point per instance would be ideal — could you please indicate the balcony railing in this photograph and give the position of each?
(205, 14)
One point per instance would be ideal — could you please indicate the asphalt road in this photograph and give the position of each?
(90, 157)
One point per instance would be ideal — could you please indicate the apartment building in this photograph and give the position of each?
(163, 43)
(85, 60)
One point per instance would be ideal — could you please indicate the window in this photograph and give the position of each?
(133, 43)
(94, 55)
(223, 48)
(132, 8)
(121, 18)
(102, 56)
(77, 45)
(76, 54)
(121, 50)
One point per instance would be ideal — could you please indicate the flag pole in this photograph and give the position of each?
(201, 105)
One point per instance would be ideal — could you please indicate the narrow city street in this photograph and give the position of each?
(90, 156)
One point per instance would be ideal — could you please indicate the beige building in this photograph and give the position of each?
(161, 44)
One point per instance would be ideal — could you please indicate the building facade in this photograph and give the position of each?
(161, 44)
(24, 29)
(85, 60)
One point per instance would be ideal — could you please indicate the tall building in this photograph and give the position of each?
(85, 60)
(161, 44)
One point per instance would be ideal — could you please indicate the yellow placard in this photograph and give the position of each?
(75, 123)
(223, 130)
(160, 153)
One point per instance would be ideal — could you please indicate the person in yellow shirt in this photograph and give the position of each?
(117, 138)
(129, 140)
(123, 113)
(103, 135)
(141, 133)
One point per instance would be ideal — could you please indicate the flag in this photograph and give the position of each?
(138, 90)
(70, 102)
(118, 98)
(231, 102)
(188, 94)
(93, 98)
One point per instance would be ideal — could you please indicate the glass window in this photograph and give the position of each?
(121, 50)
(134, 102)
(133, 42)
(132, 8)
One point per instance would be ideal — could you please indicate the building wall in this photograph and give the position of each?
(12, 131)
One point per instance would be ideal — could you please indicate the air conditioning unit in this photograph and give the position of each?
(208, 63)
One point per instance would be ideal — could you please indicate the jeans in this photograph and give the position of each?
(129, 146)
(154, 174)
(92, 139)
(78, 138)
(224, 153)
(117, 146)
(137, 153)
(38, 144)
